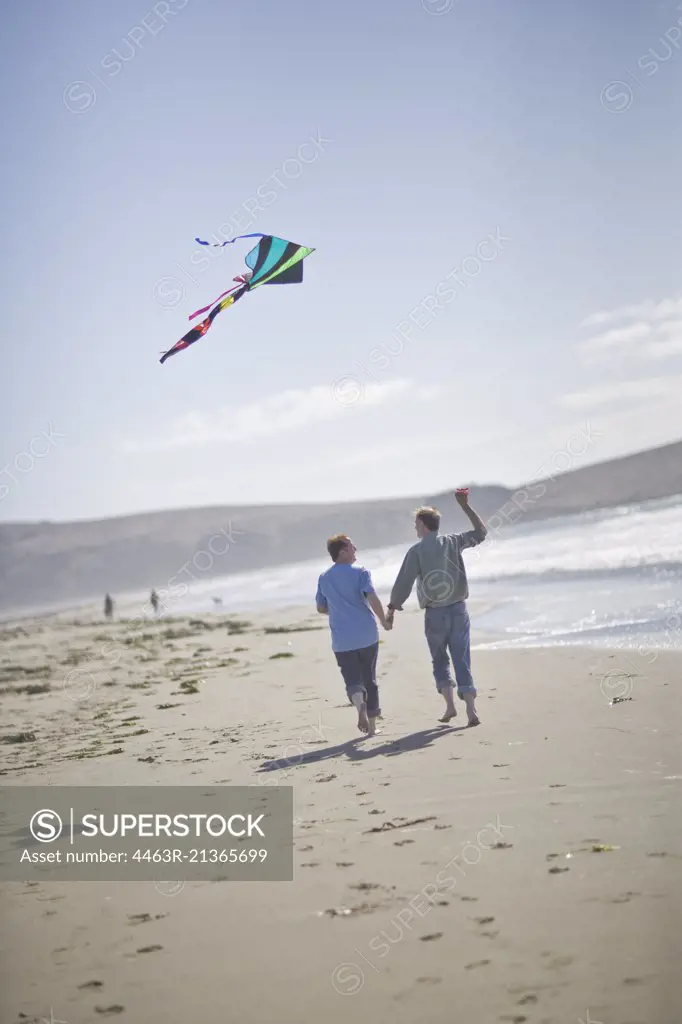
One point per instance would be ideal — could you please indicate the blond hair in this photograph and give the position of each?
(429, 516)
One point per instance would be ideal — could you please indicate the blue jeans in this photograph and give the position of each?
(447, 629)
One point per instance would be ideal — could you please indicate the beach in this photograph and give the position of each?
(524, 870)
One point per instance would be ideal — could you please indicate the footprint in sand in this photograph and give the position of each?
(343, 863)
(625, 897)
(149, 949)
(432, 937)
(526, 1000)
(110, 1011)
(91, 984)
(429, 981)
(484, 920)
(559, 961)
(476, 963)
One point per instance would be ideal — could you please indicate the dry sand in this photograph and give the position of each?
(531, 921)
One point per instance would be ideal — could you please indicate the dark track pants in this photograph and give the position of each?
(359, 671)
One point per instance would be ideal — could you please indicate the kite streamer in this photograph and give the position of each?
(231, 241)
(242, 280)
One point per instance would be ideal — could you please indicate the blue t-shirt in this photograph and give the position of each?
(342, 589)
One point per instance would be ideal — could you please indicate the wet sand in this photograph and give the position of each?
(525, 870)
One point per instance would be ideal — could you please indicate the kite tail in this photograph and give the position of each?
(242, 279)
(200, 330)
(230, 241)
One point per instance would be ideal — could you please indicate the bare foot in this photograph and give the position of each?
(449, 713)
(373, 731)
(471, 710)
(363, 720)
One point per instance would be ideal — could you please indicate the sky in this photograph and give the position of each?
(492, 190)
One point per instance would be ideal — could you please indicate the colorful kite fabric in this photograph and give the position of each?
(272, 261)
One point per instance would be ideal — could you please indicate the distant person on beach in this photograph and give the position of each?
(108, 607)
(154, 602)
(346, 594)
(435, 563)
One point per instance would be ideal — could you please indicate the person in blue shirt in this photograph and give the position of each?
(346, 594)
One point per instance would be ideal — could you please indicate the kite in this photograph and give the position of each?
(272, 261)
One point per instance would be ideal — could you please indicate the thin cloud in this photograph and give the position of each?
(275, 414)
(664, 349)
(671, 327)
(668, 341)
(639, 311)
(618, 337)
(639, 341)
(626, 390)
(654, 334)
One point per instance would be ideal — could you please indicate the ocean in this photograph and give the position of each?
(611, 577)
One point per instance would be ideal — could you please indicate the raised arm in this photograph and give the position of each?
(480, 529)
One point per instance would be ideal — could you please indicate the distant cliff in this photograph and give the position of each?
(45, 563)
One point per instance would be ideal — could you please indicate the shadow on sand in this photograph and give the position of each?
(355, 751)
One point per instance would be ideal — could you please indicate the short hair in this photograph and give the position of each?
(336, 544)
(429, 516)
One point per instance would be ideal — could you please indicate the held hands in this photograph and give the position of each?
(388, 621)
